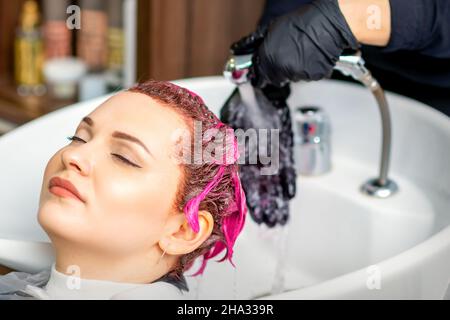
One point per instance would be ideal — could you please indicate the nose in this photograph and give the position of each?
(77, 159)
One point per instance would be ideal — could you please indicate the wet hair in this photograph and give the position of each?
(213, 186)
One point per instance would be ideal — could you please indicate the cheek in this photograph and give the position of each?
(53, 166)
(133, 194)
(58, 217)
(132, 204)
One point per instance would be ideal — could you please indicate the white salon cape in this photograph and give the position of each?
(64, 287)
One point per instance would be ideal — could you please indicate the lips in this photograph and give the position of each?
(64, 188)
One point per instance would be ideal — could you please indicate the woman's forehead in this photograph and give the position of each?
(136, 111)
(137, 115)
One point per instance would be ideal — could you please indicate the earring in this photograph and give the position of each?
(160, 258)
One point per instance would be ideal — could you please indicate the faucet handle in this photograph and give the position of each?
(237, 68)
(312, 124)
(312, 134)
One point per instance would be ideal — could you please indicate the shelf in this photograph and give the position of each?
(19, 109)
(4, 270)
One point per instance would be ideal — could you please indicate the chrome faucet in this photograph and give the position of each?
(354, 66)
(237, 68)
(312, 136)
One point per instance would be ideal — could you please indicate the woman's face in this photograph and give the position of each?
(120, 163)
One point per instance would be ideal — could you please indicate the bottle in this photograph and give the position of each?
(57, 36)
(116, 41)
(28, 52)
(92, 45)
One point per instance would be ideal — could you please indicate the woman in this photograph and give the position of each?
(124, 214)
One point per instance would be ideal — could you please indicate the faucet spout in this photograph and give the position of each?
(354, 66)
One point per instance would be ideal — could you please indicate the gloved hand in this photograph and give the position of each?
(302, 45)
(267, 195)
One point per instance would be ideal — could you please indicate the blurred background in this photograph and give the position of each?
(58, 52)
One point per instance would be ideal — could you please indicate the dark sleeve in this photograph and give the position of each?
(276, 8)
(422, 26)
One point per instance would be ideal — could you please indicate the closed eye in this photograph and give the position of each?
(75, 138)
(125, 160)
(117, 156)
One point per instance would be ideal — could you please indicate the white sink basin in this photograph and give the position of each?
(339, 240)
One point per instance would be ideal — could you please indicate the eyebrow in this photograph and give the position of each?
(126, 136)
(88, 120)
(120, 135)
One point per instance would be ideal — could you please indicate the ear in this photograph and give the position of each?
(179, 238)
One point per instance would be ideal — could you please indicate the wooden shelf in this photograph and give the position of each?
(4, 270)
(19, 109)
(175, 39)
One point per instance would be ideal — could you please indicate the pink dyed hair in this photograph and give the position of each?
(211, 186)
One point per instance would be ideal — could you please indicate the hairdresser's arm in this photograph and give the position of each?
(369, 20)
(416, 25)
(306, 43)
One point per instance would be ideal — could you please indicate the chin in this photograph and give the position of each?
(60, 219)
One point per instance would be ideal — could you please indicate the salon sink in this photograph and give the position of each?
(340, 243)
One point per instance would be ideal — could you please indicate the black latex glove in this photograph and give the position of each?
(302, 45)
(267, 195)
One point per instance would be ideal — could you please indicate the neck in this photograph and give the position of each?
(133, 268)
